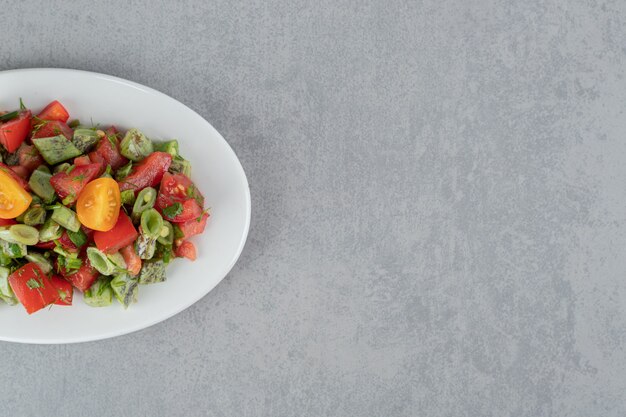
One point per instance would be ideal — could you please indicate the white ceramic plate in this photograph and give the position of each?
(215, 169)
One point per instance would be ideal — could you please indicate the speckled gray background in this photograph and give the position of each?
(439, 209)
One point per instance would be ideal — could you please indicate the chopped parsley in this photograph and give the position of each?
(173, 210)
(9, 116)
(34, 284)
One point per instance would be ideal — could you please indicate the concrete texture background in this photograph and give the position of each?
(439, 209)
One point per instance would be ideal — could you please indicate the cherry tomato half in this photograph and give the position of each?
(98, 204)
(14, 200)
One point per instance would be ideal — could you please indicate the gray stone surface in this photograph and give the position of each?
(439, 209)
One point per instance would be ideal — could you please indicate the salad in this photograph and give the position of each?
(84, 207)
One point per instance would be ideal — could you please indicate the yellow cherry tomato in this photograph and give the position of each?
(14, 200)
(98, 204)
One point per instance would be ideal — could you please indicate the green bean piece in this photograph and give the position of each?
(66, 217)
(13, 250)
(180, 165)
(56, 149)
(135, 145)
(24, 234)
(166, 237)
(61, 168)
(151, 223)
(6, 293)
(118, 261)
(85, 139)
(39, 182)
(100, 261)
(152, 271)
(50, 230)
(170, 146)
(145, 246)
(43, 168)
(125, 288)
(128, 197)
(5, 259)
(42, 261)
(144, 201)
(99, 294)
(35, 216)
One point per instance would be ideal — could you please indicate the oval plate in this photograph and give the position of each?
(215, 169)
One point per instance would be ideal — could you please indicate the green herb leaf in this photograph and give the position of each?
(74, 123)
(78, 238)
(33, 283)
(9, 116)
(22, 106)
(173, 210)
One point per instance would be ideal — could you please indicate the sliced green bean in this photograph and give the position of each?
(100, 261)
(151, 223)
(39, 182)
(35, 216)
(13, 250)
(170, 146)
(99, 294)
(118, 261)
(50, 230)
(42, 261)
(144, 201)
(125, 288)
(135, 145)
(180, 165)
(152, 271)
(6, 293)
(128, 197)
(166, 237)
(20, 233)
(66, 217)
(145, 246)
(61, 167)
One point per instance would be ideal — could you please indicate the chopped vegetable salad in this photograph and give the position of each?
(99, 210)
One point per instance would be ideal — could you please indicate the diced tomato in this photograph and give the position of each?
(175, 186)
(82, 160)
(20, 171)
(65, 290)
(189, 209)
(178, 188)
(108, 151)
(66, 243)
(122, 234)
(54, 111)
(68, 186)
(186, 250)
(29, 157)
(13, 132)
(32, 287)
(83, 277)
(7, 222)
(47, 129)
(45, 245)
(14, 175)
(148, 172)
(133, 261)
(193, 227)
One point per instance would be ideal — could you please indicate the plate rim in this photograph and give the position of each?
(242, 241)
